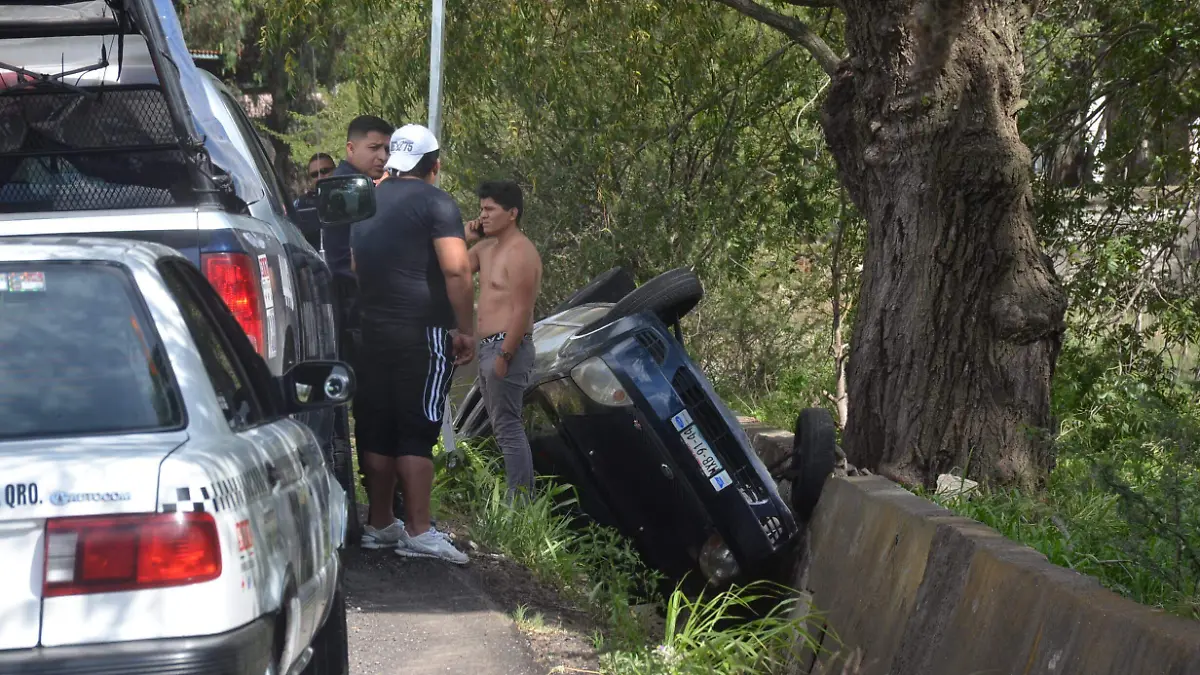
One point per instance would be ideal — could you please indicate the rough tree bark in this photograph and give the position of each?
(960, 315)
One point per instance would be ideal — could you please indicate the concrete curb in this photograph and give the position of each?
(921, 591)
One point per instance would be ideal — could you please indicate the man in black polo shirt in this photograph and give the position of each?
(416, 298)
(366, 153)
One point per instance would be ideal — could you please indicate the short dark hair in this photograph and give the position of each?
(506, 193)
(423, 167)
(321, 155)
(364, 124)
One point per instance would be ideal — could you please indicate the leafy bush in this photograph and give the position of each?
(1123, 503)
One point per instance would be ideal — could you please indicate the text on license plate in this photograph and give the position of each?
(705, 457)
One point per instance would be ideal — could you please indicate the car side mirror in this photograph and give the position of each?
(310, 385)
(342, 200)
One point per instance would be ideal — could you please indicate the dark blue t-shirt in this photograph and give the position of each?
(401, 284)
(337, 238)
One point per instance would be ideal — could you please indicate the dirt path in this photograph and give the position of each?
(422, 616)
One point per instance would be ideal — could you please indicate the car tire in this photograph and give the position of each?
(611, 286)
(343, 466)
(331, 647)
(670, 295)
(814, 452)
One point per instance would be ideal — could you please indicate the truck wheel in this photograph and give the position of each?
(670, 295)
(814, 452)
(331, 648)
(608, 287)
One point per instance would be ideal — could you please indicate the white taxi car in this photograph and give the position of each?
(160, 512)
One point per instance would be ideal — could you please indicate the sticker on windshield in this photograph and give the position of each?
(26, 282)
(682, 421)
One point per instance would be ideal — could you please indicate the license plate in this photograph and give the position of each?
(705, 457)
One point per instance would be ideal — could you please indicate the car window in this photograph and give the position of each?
(262, 162)
(79, 354)
(232, 385)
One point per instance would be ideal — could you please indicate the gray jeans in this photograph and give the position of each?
(503, 398)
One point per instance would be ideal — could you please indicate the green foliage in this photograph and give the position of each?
(592, 565)
(716, 635)
(1123, 504)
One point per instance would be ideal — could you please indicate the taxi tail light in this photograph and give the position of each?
(235, 280)
(130, 552)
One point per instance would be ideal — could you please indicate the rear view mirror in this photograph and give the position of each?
(317, 384)
(342, 200)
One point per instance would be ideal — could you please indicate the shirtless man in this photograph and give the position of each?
(510, 276)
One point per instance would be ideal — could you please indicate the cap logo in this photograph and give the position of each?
(402, 145)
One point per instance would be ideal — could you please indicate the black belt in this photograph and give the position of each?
(500, 337)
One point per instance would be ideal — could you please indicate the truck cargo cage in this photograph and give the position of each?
(102, 107)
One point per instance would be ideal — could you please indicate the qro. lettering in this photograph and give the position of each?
(20, 494)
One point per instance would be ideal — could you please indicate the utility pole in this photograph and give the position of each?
(435, 68)
(436, 28)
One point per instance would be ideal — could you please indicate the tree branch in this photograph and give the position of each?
(812, 3)
(792, 27)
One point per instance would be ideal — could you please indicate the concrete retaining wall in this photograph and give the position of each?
(921, 591)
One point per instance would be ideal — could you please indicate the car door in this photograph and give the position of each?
(292, 514)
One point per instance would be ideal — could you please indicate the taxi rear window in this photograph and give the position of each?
(79, 355)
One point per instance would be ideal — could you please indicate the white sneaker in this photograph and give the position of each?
(389, 537)
(431, 544)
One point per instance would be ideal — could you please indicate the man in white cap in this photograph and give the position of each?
(417, 317)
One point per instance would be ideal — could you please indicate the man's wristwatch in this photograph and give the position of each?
(507, 356)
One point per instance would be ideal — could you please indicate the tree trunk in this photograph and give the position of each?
(960, 315)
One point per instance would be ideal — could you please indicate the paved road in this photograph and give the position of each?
(425, 616)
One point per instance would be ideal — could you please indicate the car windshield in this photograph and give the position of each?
(78, 354)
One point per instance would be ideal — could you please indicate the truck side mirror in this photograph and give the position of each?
(342, 200)
(311, 385)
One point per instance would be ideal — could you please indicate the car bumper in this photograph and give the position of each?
(244, 650)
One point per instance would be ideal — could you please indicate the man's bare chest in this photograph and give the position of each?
(493, 269)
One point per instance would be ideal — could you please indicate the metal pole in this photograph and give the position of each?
(435, 68)
(437, 27)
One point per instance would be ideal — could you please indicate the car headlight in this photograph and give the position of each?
(717, 562)
(599, 382)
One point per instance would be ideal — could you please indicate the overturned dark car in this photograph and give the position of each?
(616, 408)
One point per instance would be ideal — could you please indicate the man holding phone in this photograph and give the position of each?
(510, 277)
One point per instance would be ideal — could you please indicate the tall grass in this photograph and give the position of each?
(593, 566)
(721, 634)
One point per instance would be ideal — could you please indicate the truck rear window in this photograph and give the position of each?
(79, 355)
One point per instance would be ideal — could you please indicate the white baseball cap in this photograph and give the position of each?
(409, 144)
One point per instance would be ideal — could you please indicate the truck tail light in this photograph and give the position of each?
(105, 554)
(234, 278)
